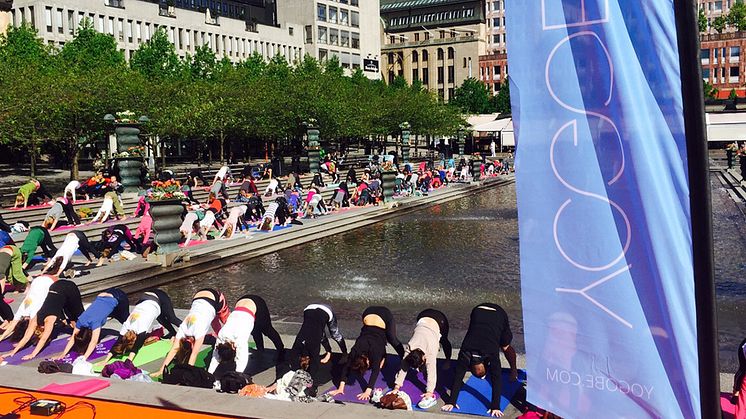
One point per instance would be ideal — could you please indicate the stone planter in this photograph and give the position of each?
(476, 165)
(128, 135)
(129, 169)
(166, 222)
(388, 181)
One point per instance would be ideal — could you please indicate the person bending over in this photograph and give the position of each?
(11, 268)
(430, 331)
(154, 305)
(489, 331)
(63, 302)
(250, 318)
(369, 351)
(189, 226)
(75, 240)
(235, 222)
(87, 332)
(208, 308)
(305, 353)
(35, 295)
(37, 236)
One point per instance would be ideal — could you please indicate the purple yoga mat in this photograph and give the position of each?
(99, 351)
(6, 346)
(52, 349)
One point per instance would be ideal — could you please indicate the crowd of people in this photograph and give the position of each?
(50, 301)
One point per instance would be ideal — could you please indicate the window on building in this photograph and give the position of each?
(391, 76)
(344, 39)
(440, 53)
(138, 32)
(333, 14)
(323, 55)
(451, 53)
(333, 36)
(735, 72)
(717, 5)
(424, 55)
(425, 76)
(415, 56)
(496, 38)
(48, 18)
(706, 73)
(496, 5)
(441, 94)
(356, 61)
(353, 2)
(309, 34)
(735, 52)
(70, 22)
(120, 30)
(442, 34)
(322, 38)
(129, 31)
(440, 75)
(415, 74)
(496, 87)
(496, 70)
(416, 37)
(392, 39)
(110, 26)
(344, 17)
(355, 40)
(355, 19)
(481, 73)
(100, 24)
(427, 36)
(451, 74)
(321, 12)
(704, 54)
(58, 21)
(343, 1)
(450, 93)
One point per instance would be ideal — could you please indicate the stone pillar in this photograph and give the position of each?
(388, 182)
(128, 136)
(405, 145)
(461, 143)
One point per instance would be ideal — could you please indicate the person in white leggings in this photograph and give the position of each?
(233, 222)
(104, 212)
(71, 188)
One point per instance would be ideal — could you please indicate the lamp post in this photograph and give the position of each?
(405, 131)
(129, 157)
(313, 145)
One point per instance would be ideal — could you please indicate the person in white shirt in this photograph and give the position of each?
(207, 223)
(71, 189)
(222, 175)
(35, 295)
(208, 310)
(154, 305)
(104, 212)
(235, 220)
(187, 228)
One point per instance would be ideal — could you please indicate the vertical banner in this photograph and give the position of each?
(604, 208)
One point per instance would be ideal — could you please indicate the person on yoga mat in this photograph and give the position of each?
(249, 318)
(63, 302)
(488, 332)
(35, 295)
(208, 308)
(317, 318)
(87, 332)
(430, 332)
(369, 351)
(154, 305)
(75, 240)
(6, 315)
(235, 222)
(37, 236)
(11, 268)
(112, 239)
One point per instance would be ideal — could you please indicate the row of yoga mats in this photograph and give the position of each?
(474, 397)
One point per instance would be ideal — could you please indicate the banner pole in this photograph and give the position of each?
(687, 31)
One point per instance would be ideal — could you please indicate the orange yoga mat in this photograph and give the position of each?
(104, 409)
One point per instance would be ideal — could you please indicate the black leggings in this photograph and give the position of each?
(442, 321)
(263, 324)
(4, 226)
(197, 174)
(70, 213)
(388, 318)
(122, 311)
(217, 300)
(85, 246)
(6, 313)
(168, 318)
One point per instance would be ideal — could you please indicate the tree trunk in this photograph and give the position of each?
(75, 164)
(222, 146)
(33, 162)
(163, 154)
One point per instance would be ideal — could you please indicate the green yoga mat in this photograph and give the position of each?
(147, 353)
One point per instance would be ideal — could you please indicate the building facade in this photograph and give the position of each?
(493, 71)
(721, 51)
(494, 11)
(232, 28)
(349, 30)
(435, 42)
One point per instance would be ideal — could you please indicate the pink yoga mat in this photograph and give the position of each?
(728, 408)
(30, 207)
(80, 388)
(194, 243)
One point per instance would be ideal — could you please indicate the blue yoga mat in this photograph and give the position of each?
(276, 228)
(475, 395)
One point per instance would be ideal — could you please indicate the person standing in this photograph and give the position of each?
(488, 333)
(739, 382)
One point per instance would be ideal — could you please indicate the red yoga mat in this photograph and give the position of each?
(80, 388)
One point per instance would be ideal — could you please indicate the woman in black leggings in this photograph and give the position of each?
(369, 351)
(263, 325)
(63, 302)
(154, 305)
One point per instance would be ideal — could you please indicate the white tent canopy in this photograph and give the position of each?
(493, 126)
(726, 126)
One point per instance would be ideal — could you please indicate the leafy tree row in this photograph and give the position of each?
(53, 100)
(735, 18)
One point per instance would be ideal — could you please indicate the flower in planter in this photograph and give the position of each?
(134, 151)
(162, 191)
(126, 117)
(387, 166)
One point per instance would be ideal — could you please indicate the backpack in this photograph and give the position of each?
(232, 382)
(188, 375)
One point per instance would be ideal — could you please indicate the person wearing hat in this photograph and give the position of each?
(488, 333)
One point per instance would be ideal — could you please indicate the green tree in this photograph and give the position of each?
(472, 97)
(710, 91)
(719, 23)
(501, 101)
(733, 95)
(702, 20)
(157, 57)
(737, 15)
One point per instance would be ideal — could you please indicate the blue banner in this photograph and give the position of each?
(603, 208)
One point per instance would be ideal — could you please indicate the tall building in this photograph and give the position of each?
(721, 51)
(437, 42)
(347, 29)
(495, 13)
(232, 28)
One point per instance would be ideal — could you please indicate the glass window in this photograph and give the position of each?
(440, 75)
(344, 17)
(735, 71)
(496, 22)
(440, 53)
(345, 39)
(110, 26)
(322, 39)
(58, 22)
(451, 53)
(424, 55)
(415, 57)
(425, 76)
(355, 40)
(352, 2)
(48, 18)
(415, 74)
(333, 14)
(323, 55)
(416, 36)
(355, 19)
(451, 74)
(333, 36)
(704, 54)
(735, 51)
(309, 34)
(706, 73)
(356, 61)
(321, 12)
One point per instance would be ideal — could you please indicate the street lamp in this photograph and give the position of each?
(405, 131)
(313, 145)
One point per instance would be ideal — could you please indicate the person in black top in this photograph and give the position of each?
(312, 336)
(63, 302)
(196, 174)
(369, 351)
(489, 331)
(112, 238)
